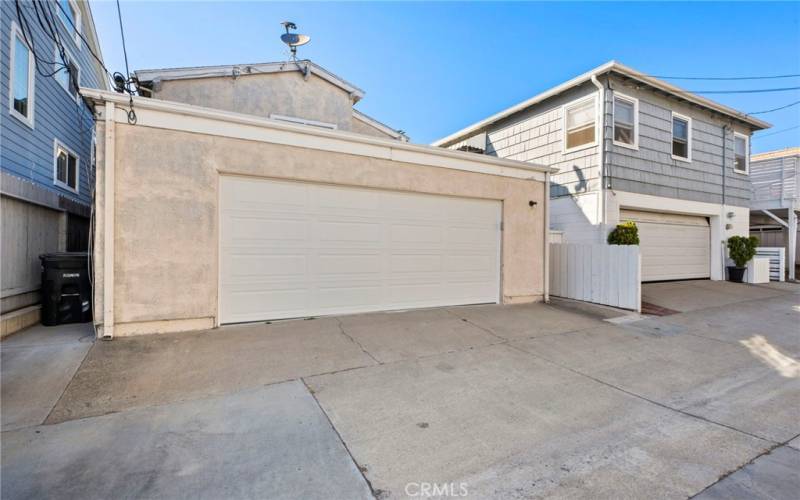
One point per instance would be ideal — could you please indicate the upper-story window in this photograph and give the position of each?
(70, 17)
(579, 119)
(65, 168)
(22, 78)
(681, 137)
(64, 75)
(626, 121)
(741, 158)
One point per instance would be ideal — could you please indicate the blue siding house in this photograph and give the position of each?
(46, 142)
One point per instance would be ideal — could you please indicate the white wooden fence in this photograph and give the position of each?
(777, 261)
(599, 273)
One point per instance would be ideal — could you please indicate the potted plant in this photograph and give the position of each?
(624, 234)
(740, 249)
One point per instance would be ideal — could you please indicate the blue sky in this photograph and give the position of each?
(433, 68)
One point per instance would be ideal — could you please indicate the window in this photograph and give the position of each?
(64, 70)
(65, 167)
(741, 160)
(302, 121)
(70, 17)
(22, 78)
(626, 121)
(681, 137)
(580, 119)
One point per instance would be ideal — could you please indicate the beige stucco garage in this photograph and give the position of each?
(207, 217)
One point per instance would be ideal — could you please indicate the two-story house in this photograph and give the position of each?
(298, 92)
(630, 147)
(48, 50)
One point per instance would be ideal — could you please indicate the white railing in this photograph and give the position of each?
(774, 180)
(777, 261)
(599, 273)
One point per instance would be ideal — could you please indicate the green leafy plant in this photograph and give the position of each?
(741, 249)
(624, 234)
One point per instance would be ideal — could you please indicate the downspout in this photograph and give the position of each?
(108, 222)
(724, 153)
(546, 201)
(723, 215)
(602, 202)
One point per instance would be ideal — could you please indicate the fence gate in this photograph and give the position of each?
(603, 274)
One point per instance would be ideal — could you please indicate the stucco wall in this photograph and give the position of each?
(166, 220)
(287, 94)
(364, 128)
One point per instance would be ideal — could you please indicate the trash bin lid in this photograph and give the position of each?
(64, 259)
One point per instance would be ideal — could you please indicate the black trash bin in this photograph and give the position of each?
(66, 291)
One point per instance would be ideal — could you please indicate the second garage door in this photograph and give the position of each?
(673, 246)
(294, 249)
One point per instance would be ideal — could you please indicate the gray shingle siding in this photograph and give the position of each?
(28, 153)
(536, 134)
(652, 170)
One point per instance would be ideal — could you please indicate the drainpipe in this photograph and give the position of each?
(602, 202)
(546, 201)
(108, 222)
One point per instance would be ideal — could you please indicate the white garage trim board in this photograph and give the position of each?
(295, 249)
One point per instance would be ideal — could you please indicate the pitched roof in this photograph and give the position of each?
(781, 153)
(305, 66)
(619, 69)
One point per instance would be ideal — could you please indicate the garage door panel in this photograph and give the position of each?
(344, 250)
(673, 246)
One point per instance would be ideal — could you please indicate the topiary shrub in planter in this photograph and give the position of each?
(624, 234)
(740, 249)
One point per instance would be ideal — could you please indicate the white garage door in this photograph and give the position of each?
(294, 249)
(673, 246)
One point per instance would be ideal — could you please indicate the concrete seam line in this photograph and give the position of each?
(71, 380)
(749, 462)
(375, 494)
(487, 330)
(341, 329)
(643, 398)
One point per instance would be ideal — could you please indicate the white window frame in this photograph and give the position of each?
(567, 107)
(688, 121)
(58, 145)
(27, 120)
(302, 121)
(78, 24)
(746, 138)
(635, 102)
(57, 60)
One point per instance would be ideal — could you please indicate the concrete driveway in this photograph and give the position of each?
(525, 401)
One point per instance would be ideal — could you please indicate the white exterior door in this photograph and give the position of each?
(673, 246)
(294, 249)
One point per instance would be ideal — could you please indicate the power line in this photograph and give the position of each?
(743, 91)
(774, 109)
(771, 77)
(80, 35)
(776, 132)
(122, 33)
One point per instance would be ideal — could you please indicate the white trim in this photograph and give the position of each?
(178, 116)
(109, 142)
(27, 120)
(564, 109)
(611, 66)
(154, 75)
(58, 145)
(688, 121)
(635, 102)
(77, 30)
(358, 115)
(303, 121)
(70, 58)
(746, 138)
